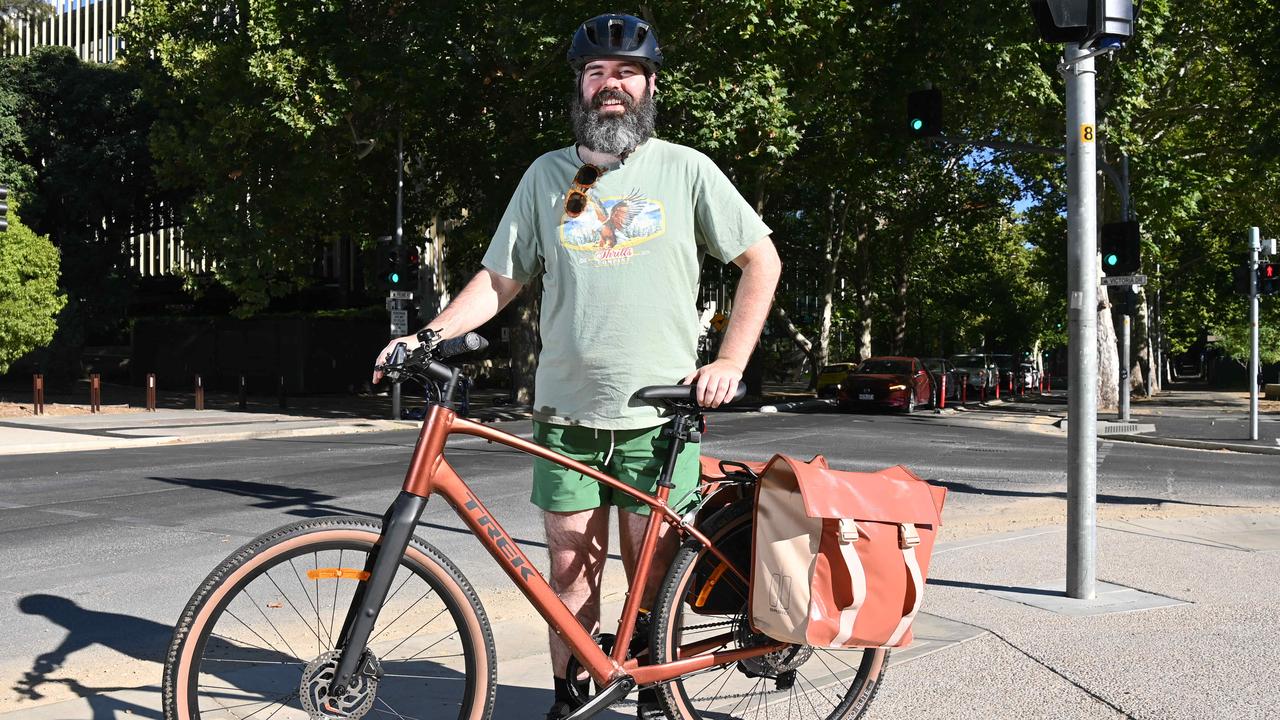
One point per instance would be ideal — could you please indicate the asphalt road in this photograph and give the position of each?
(99, 551)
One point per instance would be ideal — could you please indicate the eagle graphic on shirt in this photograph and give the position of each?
(609, 227)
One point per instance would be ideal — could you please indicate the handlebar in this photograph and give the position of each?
(423, 362)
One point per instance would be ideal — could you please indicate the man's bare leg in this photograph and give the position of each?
(631, 534)
(578, 543)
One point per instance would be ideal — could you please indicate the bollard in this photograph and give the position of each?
(1048, 383)
(982, 392)
(998, 384)
(942, 394)
(151, 392)
(37, 394)
(244, 397)
(284, 399)
(964, 389)
(95, 393)
(199, 393)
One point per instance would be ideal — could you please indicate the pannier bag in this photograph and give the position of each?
(839, 559)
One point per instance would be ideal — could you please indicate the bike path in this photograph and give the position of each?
(1183, 626)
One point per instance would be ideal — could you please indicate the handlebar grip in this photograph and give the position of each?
(471, 342)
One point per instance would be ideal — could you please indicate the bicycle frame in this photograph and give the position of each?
(430, 474)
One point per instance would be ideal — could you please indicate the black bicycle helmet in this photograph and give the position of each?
(615, 36)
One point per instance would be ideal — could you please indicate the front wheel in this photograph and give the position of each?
(701, 603)
(260, 636)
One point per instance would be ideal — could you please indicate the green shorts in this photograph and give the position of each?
(636, 460)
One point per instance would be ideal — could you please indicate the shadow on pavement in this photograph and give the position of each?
(960, 487)
(125, 634)
(985, 586)
(306, 503)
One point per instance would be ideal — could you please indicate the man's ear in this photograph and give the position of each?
(653, 84)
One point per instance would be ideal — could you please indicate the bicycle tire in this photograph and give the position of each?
(458, 668)
(825, 683)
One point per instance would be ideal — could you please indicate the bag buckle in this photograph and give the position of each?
(848, 530)
(907, 536)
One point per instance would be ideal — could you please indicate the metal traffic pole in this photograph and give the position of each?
(1082, 312)
(1124, 367)
(395, 386)
(1255, 246)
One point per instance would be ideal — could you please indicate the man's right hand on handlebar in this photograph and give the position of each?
(411, 342)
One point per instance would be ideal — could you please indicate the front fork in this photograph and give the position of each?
(397, 530)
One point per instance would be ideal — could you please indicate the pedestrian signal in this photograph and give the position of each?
(1268, 278)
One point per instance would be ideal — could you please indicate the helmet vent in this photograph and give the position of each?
(615, 33)
(641, 33)
(591, 33)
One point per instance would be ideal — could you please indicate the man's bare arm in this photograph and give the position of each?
(481, 299)
(760, 270)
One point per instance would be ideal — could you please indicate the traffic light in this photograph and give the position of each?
(924, 113)
(1080, 21)
(1121, 248)
(389, 266)
(1268, 278)
(4, 209)
(412, 264)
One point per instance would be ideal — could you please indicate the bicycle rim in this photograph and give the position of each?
(261, 639)
(797, 682)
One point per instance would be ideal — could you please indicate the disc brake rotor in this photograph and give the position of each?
(314, 691)
(771, 664)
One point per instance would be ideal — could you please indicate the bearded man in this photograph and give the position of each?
(613, 322)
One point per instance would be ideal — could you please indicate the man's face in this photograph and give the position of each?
(613, 111)
(604, 82)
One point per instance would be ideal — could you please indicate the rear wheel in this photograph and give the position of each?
(700, 602)
(259, 638)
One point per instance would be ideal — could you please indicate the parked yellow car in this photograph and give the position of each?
(831, 377)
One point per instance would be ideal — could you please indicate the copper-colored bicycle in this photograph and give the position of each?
(345, 617)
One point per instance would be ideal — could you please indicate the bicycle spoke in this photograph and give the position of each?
(393, 710)
(416, 656)
(333, 612)
(274, 649)
(402, 614)
(258, 606)
(314, 606)
(415, 632)
(286, 598)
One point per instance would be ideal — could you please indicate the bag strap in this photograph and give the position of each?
(852, 566)
(908, 539)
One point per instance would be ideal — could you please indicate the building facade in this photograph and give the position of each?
(85, 26)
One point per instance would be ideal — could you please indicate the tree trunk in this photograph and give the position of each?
(797, 337)
(864, 294)
(838, 211)
(901, 284)
(1108, 357)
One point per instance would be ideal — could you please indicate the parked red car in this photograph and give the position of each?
(900, 383)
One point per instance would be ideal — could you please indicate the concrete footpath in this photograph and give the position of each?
(1183, 624)
(1191, 636)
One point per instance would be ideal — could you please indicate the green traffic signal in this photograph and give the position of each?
(917, 124)
(394, 278)
(1111, 260)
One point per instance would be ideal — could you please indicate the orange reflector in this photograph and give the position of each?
(337, 574)
(711, 583)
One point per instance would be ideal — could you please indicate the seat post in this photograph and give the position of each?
(683, 428)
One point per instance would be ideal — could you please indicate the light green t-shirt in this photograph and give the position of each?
(620, 281)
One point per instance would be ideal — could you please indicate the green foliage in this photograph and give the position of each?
(84, 172)
(1235, 341)
(29, 297)
(279, 119)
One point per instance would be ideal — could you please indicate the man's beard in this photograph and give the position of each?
(609, 133)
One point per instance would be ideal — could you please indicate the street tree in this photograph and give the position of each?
(29, 296)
